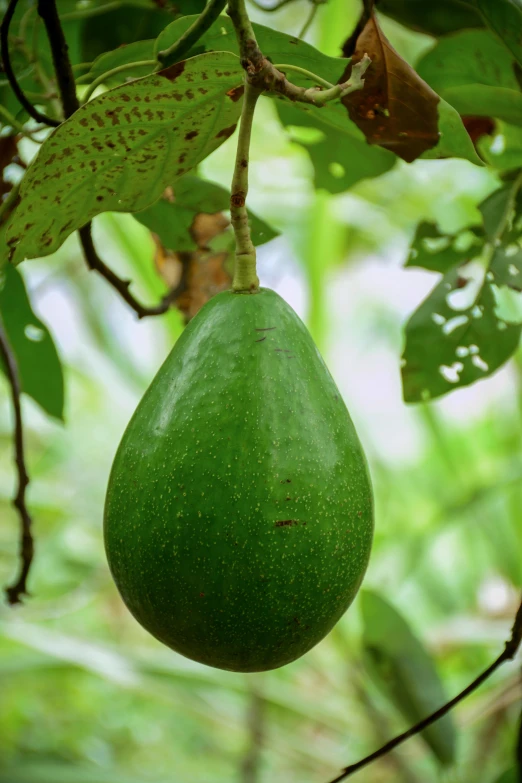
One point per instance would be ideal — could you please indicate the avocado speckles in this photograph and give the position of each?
(239, 514)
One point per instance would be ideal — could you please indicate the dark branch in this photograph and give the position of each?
(183, 45)
(15, 591)
(60, 53)
(508, 653)
(66, 84)
(8, 69)
(122, 286)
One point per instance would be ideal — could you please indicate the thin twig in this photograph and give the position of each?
(15, 591)
(255, 721)
(309, 20)
(507, 654)
(70, 103)
(183, 45)
(95, 263)
(8, 69)
(118, 69)
(271, 8)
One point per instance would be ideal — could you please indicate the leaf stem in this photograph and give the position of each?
(309, 20)
(15, 591)
(271, 8)
(7, 204)
(16, 125)
(119, 69)
(8, 69)
(297, 69)
(205, 20)
(245, 276)
(509, 652)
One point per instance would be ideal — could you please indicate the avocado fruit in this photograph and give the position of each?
(239, 513)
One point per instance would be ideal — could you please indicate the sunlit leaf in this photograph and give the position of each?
(396, 109)
(473, 71)
(38, 364)
(119, 151)
(404, 670)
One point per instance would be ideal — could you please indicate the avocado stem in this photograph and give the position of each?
(245, 275)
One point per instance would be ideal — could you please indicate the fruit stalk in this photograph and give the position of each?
(245, 275)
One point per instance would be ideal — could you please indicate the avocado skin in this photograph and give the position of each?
(239, 512)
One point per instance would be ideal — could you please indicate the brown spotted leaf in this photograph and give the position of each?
(396, 109)
(120, 151)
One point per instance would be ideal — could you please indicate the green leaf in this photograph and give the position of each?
(405, 672)
(436, 251)
(101, 32)
(123, 55)
(119, 151)
(340, 159)
(172, 220)
(434, 18)
(454, 138)
(509, 776)
(39, 367)
(503, 150)
(504, 17)
(473, 71)
(448, 348)
(278, 47)
(495, 207)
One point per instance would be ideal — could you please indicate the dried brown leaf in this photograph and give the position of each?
(206, 227)
(396, 109)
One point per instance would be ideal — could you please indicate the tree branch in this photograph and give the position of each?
(15, 591)
(509, 652)
(263, 75)
(48, 12)
(95, 263)
(8, 69)
(205, 20)
(70, 103)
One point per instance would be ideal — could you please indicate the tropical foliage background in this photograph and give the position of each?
(86, 695)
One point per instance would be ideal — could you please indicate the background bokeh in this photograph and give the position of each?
(86, 696)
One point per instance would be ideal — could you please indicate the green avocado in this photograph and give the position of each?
(239, 512)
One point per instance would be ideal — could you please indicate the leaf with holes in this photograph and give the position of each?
(474, 72)
(404, 670)
(120, 151)
(340, 159)
(396, 109)
(39, 367)
(437, 251)
(446, 347)
(172, 219)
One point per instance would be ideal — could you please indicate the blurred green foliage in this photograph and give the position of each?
(86, 696)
